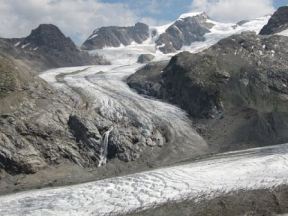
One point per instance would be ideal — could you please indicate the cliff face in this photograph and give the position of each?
(277, 23)
(184, 32)
(34, 133)
(238, 71)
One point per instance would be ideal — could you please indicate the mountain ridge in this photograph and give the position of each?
(47, 47)
(169, 38)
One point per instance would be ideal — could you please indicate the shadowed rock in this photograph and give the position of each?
(145, 58)
(277, 23)
(47, 47)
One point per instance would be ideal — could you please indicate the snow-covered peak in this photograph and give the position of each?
(159, 38)
(191, 14)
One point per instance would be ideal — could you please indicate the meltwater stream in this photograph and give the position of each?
(104, 153)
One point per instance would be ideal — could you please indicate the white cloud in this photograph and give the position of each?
(234, 10)
(76, 18)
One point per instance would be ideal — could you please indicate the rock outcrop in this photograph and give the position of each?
(148, 79)
(114, 36)
(184, 32)
(43, 128)
(145, 58)
(236, 91)
(277, 23)
(239, 70)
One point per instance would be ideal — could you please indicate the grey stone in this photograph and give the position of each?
(234, 101)
(277, 23)
(183, 32)
(47, 47)
(145, 58)
(115, 36)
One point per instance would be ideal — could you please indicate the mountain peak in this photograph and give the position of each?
(46, 28)
(115, 36)
(277, 23)
(49, 35)
(193, 14)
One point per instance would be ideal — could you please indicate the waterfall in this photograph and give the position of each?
(104, 147)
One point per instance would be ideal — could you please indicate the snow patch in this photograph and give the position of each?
(92, 36)
(25, 45)
(17, 44)
(283, 33)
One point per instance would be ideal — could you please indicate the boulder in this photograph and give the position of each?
(145, 58)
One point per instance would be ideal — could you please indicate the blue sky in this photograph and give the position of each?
(171, 8)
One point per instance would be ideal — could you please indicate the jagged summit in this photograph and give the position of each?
(115, 36)
(193, 14)
(277, 23)
(48, 35)
(47, 47)
(189, 28)
(179, 35)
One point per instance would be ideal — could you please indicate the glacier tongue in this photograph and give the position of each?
(244, 170)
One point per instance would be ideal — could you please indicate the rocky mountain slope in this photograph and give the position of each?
(50, 130)
(236, 91)
(47, 47)
(34, 129)
(236, 98)
(183, 32)
(277, 23)
(174, 37)
(44, 130)
(116, 36)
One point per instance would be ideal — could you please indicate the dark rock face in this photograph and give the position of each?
(181, 33)
(47, 47)
(236, 91)
(47, 35)
(184, 32)
(35, 128)
(145, 58)
(277, 23)
(114, 36)
(87, 135)
(147, 80)
(238, 71)
(240, 82)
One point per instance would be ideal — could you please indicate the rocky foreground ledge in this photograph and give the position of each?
(255, 171)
